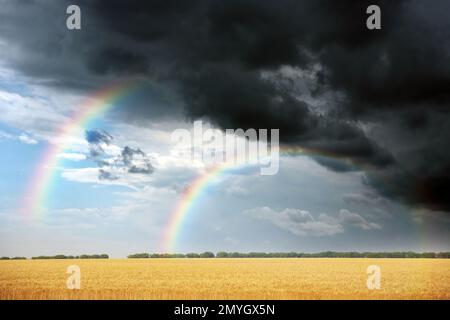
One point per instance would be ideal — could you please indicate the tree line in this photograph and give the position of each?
(61, 256)
(206, 254)
(325, 254)
(223, 254)
(83, 256)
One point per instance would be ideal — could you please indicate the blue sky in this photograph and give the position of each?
(305, 207)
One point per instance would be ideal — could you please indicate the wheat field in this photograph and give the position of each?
(247, 278)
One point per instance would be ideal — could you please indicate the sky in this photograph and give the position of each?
(369, 108)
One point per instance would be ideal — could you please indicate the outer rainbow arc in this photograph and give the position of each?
(92, 107)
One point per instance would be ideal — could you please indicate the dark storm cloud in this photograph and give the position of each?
(206, 58)
(116, 60)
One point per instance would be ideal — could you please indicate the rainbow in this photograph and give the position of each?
(196, 190)
(190, 196)
(101, 101)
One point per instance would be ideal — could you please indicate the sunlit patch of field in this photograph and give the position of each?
(247, 278)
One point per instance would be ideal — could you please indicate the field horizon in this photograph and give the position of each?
(226, 278)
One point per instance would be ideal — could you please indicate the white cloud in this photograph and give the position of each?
(32, 114)
(302, 223)
(91, 175)
(26, 139)
(298, 222)
(23, 138)
(72, 156)
(369, 199)
(354, 219)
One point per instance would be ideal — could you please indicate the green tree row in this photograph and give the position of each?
(326, 254)
(222, 254)
(83, 256)
(206, 254)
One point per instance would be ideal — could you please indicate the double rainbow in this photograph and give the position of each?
(92, 108)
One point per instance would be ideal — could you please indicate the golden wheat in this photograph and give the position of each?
(226, 279)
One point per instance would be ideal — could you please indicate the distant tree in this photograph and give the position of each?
(428, 255)
(138, 256)
(83, 256)
(260, 254)
(324, 254)
(236, 255)
(443, 255)
(222, 254)
(207, 254)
